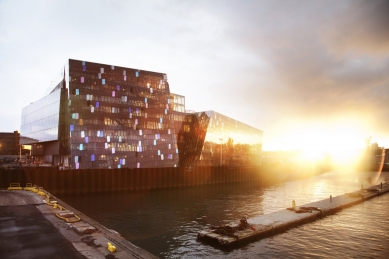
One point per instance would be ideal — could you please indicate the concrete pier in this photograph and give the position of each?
(30, 228)
(273, 223)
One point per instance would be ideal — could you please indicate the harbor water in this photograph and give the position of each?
(165, 222)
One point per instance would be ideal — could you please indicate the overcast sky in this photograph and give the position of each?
(286, 67)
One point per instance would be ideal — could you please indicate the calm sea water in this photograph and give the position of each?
(166, 222)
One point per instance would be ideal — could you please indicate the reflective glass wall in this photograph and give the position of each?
(40, 119)
(119, 117)
(191, 131)
(212, 139)
(230, 142)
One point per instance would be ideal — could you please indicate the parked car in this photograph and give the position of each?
(8, 159)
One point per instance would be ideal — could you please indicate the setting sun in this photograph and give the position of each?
(341, 140)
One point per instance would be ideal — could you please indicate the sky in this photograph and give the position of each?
(307, 73)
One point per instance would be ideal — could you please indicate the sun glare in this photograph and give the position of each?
(342, 142)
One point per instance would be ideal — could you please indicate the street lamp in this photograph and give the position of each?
(221, 151)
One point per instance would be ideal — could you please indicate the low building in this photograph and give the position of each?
(105, 116)
(9, 143)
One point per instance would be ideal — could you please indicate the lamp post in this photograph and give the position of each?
(221, 151)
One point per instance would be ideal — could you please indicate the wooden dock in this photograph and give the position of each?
(273, 223)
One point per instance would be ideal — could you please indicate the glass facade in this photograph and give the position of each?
(40, 120)
(239, 144)
(105, 116)
(177, 102)
(212, 139)
(119, 117)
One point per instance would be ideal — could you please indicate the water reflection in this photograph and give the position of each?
(165, 222)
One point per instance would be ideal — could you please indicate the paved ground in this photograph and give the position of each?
(26, 233)
(29, 228)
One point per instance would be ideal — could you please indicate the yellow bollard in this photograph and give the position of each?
(111, 247)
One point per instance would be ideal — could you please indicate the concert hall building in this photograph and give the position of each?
(105, 116)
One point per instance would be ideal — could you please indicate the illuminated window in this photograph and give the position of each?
(186, 128)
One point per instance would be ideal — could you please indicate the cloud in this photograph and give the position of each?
(361, 27)
(306, 46)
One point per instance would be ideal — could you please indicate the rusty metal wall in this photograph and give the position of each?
(126, 179)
